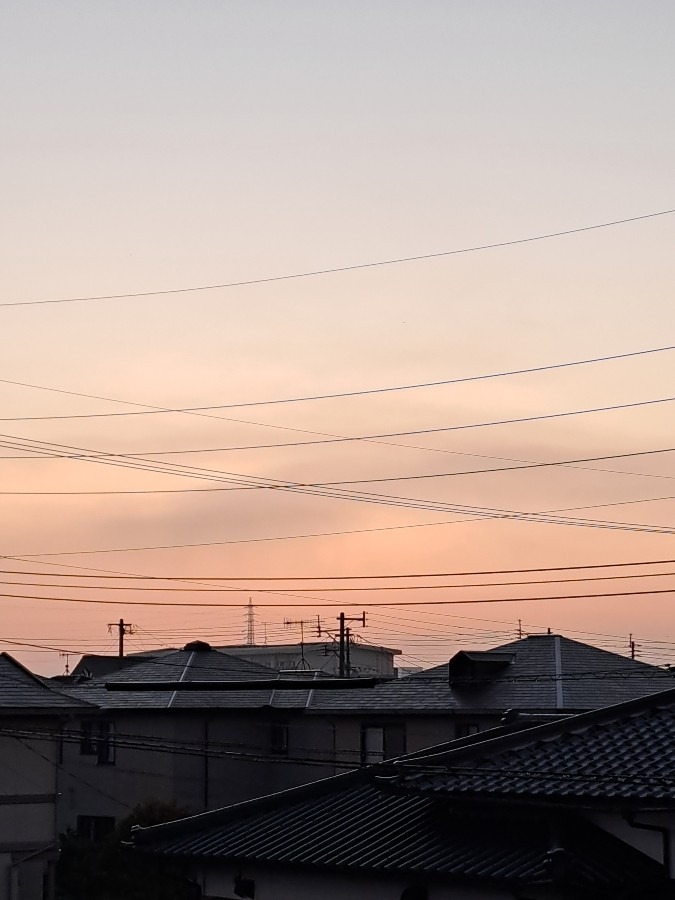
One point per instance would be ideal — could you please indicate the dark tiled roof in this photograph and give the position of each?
(622, 754)
(182, 665)
(21, 690)
(591, 678)
(95, 665)
(353, 824)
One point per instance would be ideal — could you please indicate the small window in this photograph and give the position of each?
(279, 739)
(372, 744)
(95, 828)
(97, 740)
(464, 729)
(380, 742)
(88, 743)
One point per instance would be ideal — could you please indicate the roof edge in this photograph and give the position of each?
(214, 817)
(551, 729)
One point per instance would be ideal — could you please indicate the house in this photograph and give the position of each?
(198, 749)
(540, 675)
(33, 718)
(583, 807)
(320, 656)
(204, 749)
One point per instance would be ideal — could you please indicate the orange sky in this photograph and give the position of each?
(150, 148)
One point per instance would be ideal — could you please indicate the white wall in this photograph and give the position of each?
(283, 884)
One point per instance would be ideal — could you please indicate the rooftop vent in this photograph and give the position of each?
(197, 647)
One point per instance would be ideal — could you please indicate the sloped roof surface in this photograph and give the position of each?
(182, 665)
(591, 678)
(95, 665)
(366, 827)
(20, 689)
(626, 752)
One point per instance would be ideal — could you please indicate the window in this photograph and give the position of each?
(380, 742)
(97, 740)
(95, 828)
(464, 729)
(279, 738)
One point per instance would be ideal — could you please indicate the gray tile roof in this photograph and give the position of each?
(182, 665)
(21, 690)
(94, 665)
(590, 678)
(526, 681)
(625, 753)
(355, 825)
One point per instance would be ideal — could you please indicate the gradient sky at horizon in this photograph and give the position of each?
(149, 146)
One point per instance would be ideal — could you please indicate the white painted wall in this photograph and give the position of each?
(280, 884)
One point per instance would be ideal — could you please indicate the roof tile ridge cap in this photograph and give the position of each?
(183, 674)
(222, 816)
(527, 736)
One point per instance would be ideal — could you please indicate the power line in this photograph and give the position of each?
(357, 496)
(150, 409)
(102, 456)
(377, 480)
(632, 527)
(336, 269)
(328, 588)
(454, 574)
(322, 604)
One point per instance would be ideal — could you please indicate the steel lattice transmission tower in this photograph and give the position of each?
(250, 624)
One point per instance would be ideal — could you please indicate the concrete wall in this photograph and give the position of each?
(240, 763)
(421, 732)
(28, 790)
(320, 657)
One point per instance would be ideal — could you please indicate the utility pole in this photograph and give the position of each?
(520, 629)
(348, 644)
(631, 644)
(122, 629)
(344, 658)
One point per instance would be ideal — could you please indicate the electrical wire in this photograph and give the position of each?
(331, 589)
(150, 409)
(347, 268)
(348, 603)
(377, 498)
(106, 574)
(375, 480)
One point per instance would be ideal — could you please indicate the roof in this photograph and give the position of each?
(353, 824)
(21, 690)
(197, 662)
(547, 674)
(622, 755)
(95, 665)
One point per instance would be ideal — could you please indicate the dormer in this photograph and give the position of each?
(477, 668)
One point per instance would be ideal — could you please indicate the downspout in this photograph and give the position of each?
(206, 764)
(657, 829)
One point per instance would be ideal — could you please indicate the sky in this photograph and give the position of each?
(156, 146)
